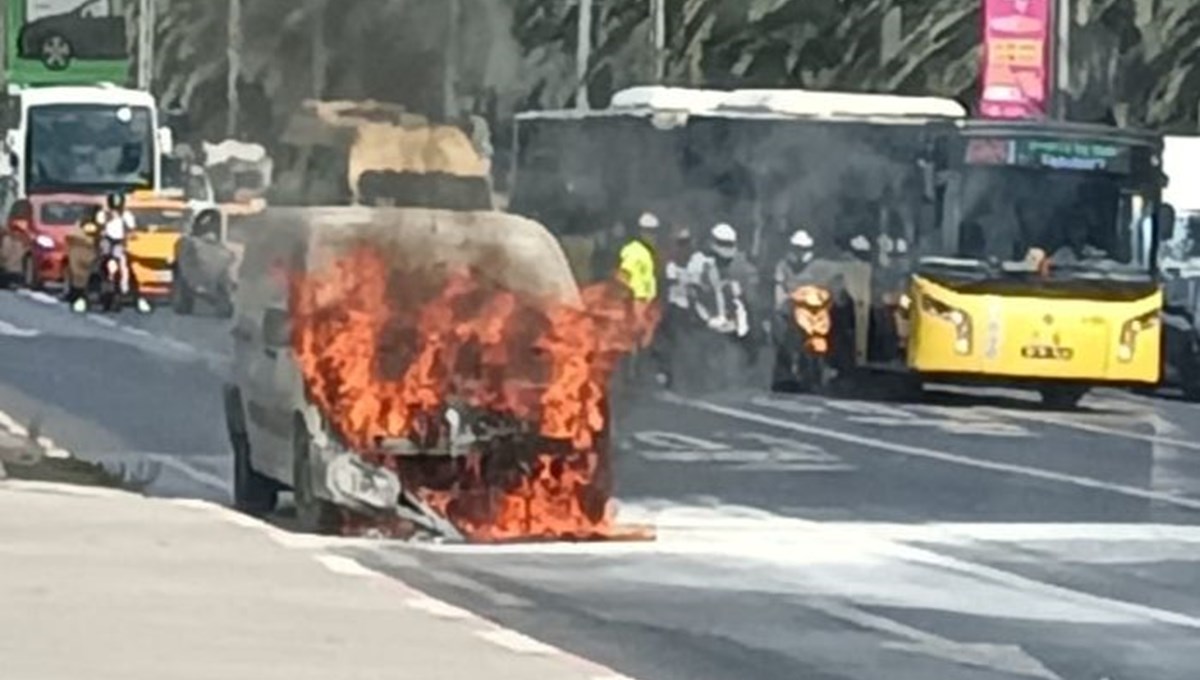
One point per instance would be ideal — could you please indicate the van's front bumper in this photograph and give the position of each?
(349, 481)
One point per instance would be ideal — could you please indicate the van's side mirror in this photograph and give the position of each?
(277, 329)
(1166, 222)
(12, 140)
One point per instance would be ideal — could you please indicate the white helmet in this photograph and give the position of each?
(860, 244)
(802, 245)
(724, 240)
(648, 221)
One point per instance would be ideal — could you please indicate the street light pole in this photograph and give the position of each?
(146, 22)
(658, 9)
(1061, 13)
(450, 66)
(234, 58)
(583, 54)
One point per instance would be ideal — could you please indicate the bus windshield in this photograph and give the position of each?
(1077, 216)
(90, 145)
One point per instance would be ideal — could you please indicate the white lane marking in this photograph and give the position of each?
(344, 566)
(747, 451)
(193, 473)
(7, 422)
(1009, 659)
(178, 344)
(103, 321)
(962, 422)
(1097, 429)
(1019, 532)
(934, 454)
(9, 330)
(139, 332)
(792, 544)
(38, 296)
(516, 642)
(437, 608)
(483, 628)
(46, 444)
(496, 597)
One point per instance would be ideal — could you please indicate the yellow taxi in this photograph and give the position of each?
(161, 220)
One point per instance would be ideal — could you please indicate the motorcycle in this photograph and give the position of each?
(804, 345)
(111, 282)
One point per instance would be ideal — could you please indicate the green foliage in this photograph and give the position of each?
(513, 54)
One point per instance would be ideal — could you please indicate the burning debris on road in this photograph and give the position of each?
(489, 405)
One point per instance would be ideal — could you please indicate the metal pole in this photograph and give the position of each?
(146, 21)
(234, 58)
(320, 50)
(658, 9)
(1062, 57)
(450, 72)
(583, 54)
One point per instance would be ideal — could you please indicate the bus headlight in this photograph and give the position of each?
(1130, 332)
(956, 317)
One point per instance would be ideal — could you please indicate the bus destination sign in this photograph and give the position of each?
(1051, 154)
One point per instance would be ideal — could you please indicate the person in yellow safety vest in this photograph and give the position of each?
(638, 269)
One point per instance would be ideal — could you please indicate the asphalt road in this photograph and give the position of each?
(975, 535)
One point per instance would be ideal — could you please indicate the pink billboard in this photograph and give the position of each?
(1017, 47)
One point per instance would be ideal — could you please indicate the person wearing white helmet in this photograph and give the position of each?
(801, 251)
(717, 291)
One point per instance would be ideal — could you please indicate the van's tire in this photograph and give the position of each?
(313, 514)
(253, 493)
(1062, 397)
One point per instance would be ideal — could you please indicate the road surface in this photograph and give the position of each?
(973, 536)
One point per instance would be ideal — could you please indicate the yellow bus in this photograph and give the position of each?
(1003, 253)
(1043, 269)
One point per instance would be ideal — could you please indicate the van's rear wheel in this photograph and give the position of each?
(253, 493)
(1062, 397)
(313, 513)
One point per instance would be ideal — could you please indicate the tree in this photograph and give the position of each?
(518, 54)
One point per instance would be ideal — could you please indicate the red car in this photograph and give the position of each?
(33, 242)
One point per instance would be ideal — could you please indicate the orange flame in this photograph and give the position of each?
(385, 347)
